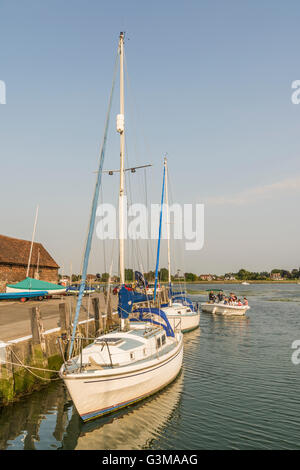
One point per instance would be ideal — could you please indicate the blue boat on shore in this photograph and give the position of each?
(24, 295)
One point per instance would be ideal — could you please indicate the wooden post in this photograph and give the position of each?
(64, 319)
(95, 301)
(103, 321)
(109, 312)
(165, 295)
(37, 328)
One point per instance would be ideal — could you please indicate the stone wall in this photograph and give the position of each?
(15, 273)
(41, 350)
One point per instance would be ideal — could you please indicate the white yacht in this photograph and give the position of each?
(181, 312)
(120, 368)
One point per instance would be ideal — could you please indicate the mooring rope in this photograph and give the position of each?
(21, 364)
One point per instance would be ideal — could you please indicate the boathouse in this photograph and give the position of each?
(14, 255)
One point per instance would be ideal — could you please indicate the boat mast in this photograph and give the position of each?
(37, 276)
(120, 129)
(32, 241)
(168, 227)
(159, 232)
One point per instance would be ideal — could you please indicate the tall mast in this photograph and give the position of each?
(120, 129)
(37, 276)
(32, 241)
(159, 232)
(168, 224)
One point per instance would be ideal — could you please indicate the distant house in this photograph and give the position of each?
(91, 278)
(229, 277)
(276, 277)
(14, 255)
(178, 278)
(206, 277)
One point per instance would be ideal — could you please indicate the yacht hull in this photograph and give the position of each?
(11, 290)
(105, 392)
(185, 322)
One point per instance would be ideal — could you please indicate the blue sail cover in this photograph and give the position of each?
(156, 311)
(184, 301)
(127, 299)
(141, 281)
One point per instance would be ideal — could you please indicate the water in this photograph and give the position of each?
(238, 390)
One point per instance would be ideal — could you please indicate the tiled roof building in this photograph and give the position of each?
(14, 255)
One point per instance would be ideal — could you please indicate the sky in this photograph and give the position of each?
(207, 82)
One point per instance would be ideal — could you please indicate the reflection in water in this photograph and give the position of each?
(22, 424)
(137, 426)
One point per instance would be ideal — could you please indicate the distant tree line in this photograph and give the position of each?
(243, 274)
(163, 276)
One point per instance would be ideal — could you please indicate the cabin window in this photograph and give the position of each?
(131, 355)
(144, 351)
(158, 343)
(163, 339)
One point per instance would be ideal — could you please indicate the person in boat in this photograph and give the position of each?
(239, 303)
(245, 301)
(226, 301)
(220, 296)
(211, 297)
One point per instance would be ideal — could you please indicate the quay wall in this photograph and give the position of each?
(42, 350)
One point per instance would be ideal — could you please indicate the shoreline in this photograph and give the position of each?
(235, 282)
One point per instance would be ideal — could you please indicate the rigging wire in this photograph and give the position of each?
(178, 252)
(93, 214)
(137, 252)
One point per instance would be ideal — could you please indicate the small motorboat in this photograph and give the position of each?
(220, 308)
(245, 283)
(222, 305)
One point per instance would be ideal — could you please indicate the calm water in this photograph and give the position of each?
(238, 390)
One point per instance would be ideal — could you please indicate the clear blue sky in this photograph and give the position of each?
(211, 83)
